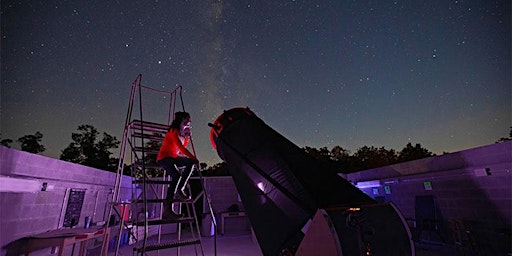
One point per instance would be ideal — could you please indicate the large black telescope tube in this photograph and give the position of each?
(280, 185)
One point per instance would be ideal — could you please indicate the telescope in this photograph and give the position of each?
(298, 205)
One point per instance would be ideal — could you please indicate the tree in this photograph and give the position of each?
(363, 159)
(339, 153)
(321, 154)
(506, 139)
(409, 153)
(5, 142)
(371, 157)
(31, 143)
(341, 158)
(87, 149)
(219, 169)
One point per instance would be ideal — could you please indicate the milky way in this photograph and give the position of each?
(322, 73)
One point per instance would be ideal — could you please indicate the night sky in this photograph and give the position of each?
(322, 73)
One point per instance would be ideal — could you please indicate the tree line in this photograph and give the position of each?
(87, 147)
(366, 157)
(90, 148)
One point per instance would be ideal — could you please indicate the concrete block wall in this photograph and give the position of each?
(27, 213)
(471, 186)
(223, 193)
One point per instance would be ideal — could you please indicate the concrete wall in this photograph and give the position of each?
(26, 210)
(472, 187)
(223, 194)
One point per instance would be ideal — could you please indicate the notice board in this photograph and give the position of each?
(74, 207)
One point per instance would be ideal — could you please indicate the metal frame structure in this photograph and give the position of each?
(139, 146)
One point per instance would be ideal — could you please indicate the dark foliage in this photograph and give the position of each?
(410, 153)
(88, 149)
(6, 142)
(506, 139)
(32, 143)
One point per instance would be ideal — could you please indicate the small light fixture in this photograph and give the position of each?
(261, 186)
(387, 189)
(427, 185)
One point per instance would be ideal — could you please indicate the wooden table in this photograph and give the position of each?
(61, 238)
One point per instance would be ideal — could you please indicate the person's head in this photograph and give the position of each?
(181, 122)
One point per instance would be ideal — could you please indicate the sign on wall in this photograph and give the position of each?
(74, 207)
(427, 185)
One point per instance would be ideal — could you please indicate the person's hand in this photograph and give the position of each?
(196, 162)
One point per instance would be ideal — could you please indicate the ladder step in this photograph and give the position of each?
(148, 126)
(140, 201)
(147, 166)
(164, 221)
(151, 137)
(146, 150)
(153, 246)
(148, 181)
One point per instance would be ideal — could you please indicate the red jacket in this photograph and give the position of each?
(173, 147)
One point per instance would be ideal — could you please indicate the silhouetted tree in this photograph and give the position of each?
(409, 153)
(219, 169)
(87, 149)
(31, 143)
(364, 158)
(338, 153)
(322, 154)
(371, 157)
(5, 142)
(506, 139)
(341, 158)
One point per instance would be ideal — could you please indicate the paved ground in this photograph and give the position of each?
(245, 245)
(227, 245)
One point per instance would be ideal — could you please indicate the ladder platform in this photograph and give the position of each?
(165, 221)
(170, 244)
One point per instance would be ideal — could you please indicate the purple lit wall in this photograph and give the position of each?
(35, 191)
(472, 187)
(31, 210)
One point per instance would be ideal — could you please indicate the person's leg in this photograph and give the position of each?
(168, 165)
(185, 175)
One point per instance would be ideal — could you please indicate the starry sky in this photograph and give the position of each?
(321, 73)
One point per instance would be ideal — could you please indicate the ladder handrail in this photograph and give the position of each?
(120, 166)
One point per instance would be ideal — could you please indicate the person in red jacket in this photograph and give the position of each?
(174, 154)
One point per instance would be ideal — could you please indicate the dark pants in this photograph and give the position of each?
(178, 180)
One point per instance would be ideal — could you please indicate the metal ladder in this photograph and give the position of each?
(139, 146)
(152, 192)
